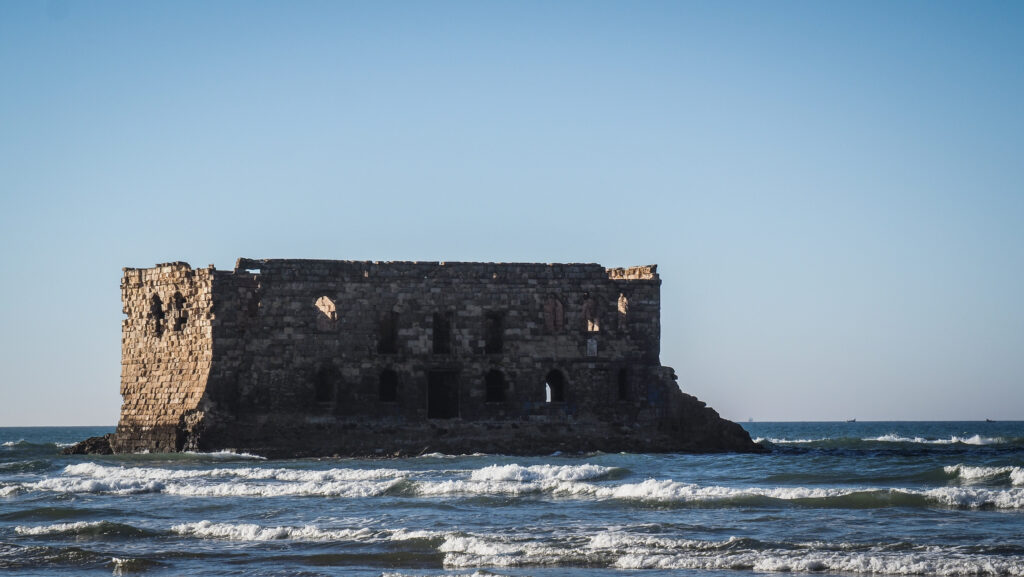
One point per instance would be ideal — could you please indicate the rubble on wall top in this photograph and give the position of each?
(251, 266)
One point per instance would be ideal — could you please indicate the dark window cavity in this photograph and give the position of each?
(623, 382)
(554, 387)
(495, 386)
(155, 318)
(178, 312)
(387, 338)
(442, 395)
(387, 390)
(442, 333)
(593, 324)
(494, 332)
(323, 385)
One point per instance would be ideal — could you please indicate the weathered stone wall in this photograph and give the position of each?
(166, 353)
(291, 347)
(290, 357)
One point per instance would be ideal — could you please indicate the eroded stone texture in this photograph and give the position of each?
(309, 357)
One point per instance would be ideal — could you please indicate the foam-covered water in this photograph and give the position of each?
(849, 498)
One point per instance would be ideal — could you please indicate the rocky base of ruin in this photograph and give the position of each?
(692, 427)
(91, 446)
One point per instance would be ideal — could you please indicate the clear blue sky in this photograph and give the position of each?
(834, 191)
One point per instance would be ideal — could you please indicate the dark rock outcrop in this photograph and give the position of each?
(91, 446)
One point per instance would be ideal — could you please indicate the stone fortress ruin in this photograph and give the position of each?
(320, 357)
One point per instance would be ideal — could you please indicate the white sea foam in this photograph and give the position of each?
(13, 443)
(108, 485)
(540, 472)
(976, 498)
(228, 454)
(631, 551)
(972, 440)
(57, 528)
(974, 474)
(271, 482)
(473, 574)
(775, 441)
(252, 532)
(350, 489)
(247, 473)
(477, 551)
(925, 563)
(447, 456)
(567, 481)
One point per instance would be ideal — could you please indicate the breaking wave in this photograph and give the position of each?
(227, 454)
(629, 551)
(84, 529)
(586, 481)
(545, 472)
(891, 438)
(253, 532)
(987, 474)
(954, 440)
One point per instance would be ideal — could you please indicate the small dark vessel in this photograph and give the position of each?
(989, 421)
(851, 420)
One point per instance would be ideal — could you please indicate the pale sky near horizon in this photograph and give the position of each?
(833, 191)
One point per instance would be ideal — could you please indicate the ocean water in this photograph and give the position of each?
(872, 498)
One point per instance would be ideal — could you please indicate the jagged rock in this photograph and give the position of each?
(91, 446)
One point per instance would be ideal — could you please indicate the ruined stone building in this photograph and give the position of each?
(320, 357)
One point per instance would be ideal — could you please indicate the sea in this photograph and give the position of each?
(858, 498)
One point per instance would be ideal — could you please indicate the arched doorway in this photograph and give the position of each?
(554, 387)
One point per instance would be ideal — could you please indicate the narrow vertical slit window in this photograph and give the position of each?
(494, 384)
(442, 333)
(323, 385)
(554, 315)
(155, 318)
(178, 311)
(593, 323)
(387, 337)
(623, 382)
(494, 332)
(387, 391)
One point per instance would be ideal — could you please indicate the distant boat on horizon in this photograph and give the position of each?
(989, 421)
(851, 420)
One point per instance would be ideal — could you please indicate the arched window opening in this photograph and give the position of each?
(387, 390)
(554, 387)
(554, 315)
(623, 384)
(327, 319)
(442, 395)
(178, 312)
(494, 383)
(387, 337)
(593, 324)
(494, 332)
(442, 333)
(155, 318)
(323, 385)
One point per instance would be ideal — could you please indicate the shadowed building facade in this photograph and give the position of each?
(317, 357)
